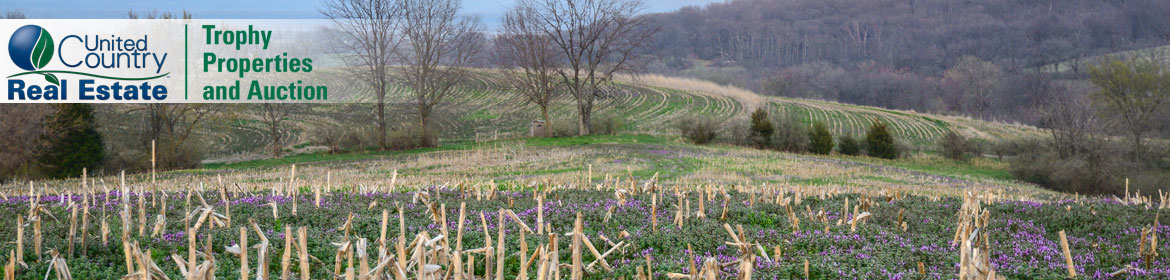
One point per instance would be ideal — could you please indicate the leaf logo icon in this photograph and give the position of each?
(31, 48)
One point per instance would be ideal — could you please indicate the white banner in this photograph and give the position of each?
(167, 61)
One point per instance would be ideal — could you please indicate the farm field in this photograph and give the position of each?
(792, 209)
(643, 229)
(483, 108)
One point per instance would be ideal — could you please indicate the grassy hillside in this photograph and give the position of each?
(484, 108)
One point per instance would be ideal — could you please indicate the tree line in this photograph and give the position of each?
(986, 59)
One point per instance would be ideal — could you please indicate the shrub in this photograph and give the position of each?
(848, 145)
(611, 125)
(1102, 168)
(698, 130)
(1086, 175)
(738, 131)
(1014, 147)
(356, 140)
(330, 137)
(561, 128)
(791, 135)
(956, 147)
(761, 129)
(410, 138)
(879, 142)
(820, 140)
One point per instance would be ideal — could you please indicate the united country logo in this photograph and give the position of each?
(31, 48)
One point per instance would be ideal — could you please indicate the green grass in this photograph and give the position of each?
(465, 145)
(656, 154)
(986, 168)
(479, 116)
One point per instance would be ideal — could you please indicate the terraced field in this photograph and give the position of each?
(484, 107)
(918, 129)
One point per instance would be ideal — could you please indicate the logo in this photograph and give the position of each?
(103, 59)
(31, 48)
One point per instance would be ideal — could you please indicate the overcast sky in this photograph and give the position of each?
(489, 10)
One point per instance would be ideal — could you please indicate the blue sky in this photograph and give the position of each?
(489, 10)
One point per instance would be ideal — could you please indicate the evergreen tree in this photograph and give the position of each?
(820, 139)
(848, 145)
(879, 142)
(73, 142)
(762, 129)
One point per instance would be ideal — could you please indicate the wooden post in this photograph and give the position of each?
(37, 238)
(806, 269)
(72, 229)
(286, 257)
(457, 265)
(317, 190)
(649, 267)
(554, 255)
(20, 238)
(126, 222)
(1068, 261)
(10, 268)
(126, 253)
(488, 265)
(577, 272)
(539, 214)
(302, 246)
(401, 245)
(542, 267)
(141, 212)
(243, 253)
(500, 246)
(524, 263)
(190, 235)
(459, 231)
(292, 180)
(85, 225)
(152, 162)
(382, 234)
(654, 213)
(723, 216)
(844, 211)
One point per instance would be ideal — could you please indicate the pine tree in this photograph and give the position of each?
(762, 129)
(879, 142)
(820, 139)
(73, 142)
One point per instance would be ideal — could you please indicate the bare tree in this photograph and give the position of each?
(972, 84)
(1132, 92)
(368, 38)
(440, 48)
(23, 127)
(523, 48)
(171, 124)
(273, 115)
(596, 39)
(1070, 120)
